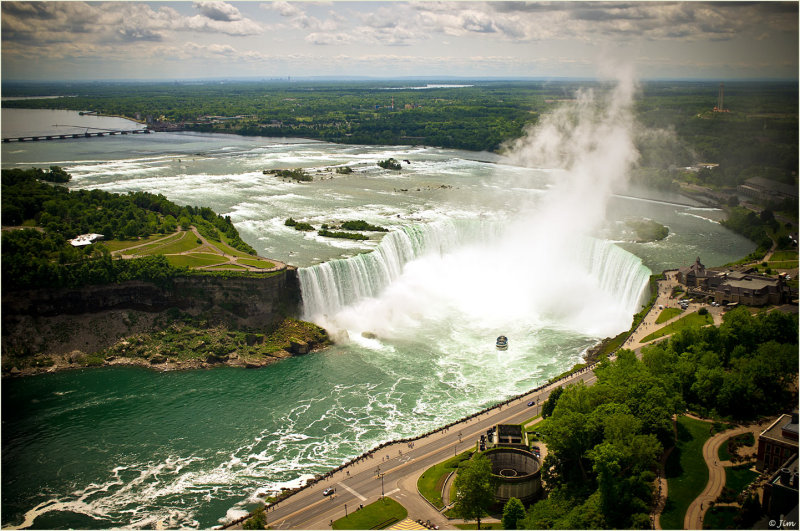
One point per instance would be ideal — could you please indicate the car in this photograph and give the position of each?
(328, 491)
(531, 403)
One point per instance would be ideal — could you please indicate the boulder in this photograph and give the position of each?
(157, 359)
(298, 346)
(213, 358)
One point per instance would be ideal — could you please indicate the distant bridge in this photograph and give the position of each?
(86, 134)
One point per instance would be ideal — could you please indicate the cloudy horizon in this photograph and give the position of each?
(52, 41)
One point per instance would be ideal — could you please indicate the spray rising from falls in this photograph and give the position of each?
(541, 268)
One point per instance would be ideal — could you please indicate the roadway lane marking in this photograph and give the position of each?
(392, 492)
(354, 493)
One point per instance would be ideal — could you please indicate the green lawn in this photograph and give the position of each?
(780, 256)
(686, 471)
(256, 263)
(720, 518)
(785, 264)
(227, 267)
(745, 439)
(688, 321)
(195, 259)
(117, 245)
(430, 483)
(187, 242)
(225, 247)
(377, 515)
(738, 477)
(667, 314)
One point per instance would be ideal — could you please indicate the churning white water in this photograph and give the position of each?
(472, 272)
(541, 266)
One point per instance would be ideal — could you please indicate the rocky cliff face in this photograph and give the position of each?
(94, 317)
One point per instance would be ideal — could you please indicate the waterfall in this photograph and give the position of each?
(330, 287)
(617, 271)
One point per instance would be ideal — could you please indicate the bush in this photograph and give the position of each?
(343, 235)
(360, 224)
(389, 164)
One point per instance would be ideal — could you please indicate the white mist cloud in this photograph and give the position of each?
(541, 268)
(591, 140)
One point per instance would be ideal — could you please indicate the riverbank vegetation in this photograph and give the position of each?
(758, 137)
(181, 341)
(44, 217)
(647, 230)
(604, 441)
(298, 174)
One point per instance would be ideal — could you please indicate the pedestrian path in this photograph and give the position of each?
(716, 474)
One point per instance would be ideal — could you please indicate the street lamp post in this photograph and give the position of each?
(345, 510)
(381, 476)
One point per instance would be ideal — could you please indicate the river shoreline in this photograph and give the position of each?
(63, 364)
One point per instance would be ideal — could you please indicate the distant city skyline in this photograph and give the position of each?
(52, 41)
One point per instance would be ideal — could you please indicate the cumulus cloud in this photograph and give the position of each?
(43, 23)
(219, 11)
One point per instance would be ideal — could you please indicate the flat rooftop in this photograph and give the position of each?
(755, 283)
(775, 431)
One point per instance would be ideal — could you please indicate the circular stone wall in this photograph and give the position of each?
(518, 474)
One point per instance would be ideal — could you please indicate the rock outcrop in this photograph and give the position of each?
(92, 318)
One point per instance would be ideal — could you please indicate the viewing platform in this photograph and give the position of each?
(86, 134)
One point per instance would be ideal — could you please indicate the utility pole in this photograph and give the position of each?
(381, 476)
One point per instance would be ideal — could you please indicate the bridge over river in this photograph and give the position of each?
(96, 132)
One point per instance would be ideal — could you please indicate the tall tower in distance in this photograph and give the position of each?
(720, 99)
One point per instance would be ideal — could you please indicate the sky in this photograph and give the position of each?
(272, 40)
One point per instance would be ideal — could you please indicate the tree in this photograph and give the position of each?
(257, 521)
(513, 512)
(476, 486)
(550, 404)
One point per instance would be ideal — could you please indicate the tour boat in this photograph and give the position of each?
(502, 343)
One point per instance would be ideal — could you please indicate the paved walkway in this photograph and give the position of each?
(662, 490)
(716, 473)
(664, 298)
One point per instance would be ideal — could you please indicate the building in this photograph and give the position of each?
(693, 276)
(732, 286)
(509, 436)
(85, 239)
(777, 443)
(781, 493)
(767, 190)
(516, 470)
(752, 290)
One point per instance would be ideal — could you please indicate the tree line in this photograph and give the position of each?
(39, 254)
(604, 441)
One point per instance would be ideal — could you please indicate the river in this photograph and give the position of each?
(415, 321)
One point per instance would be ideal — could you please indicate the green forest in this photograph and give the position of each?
(37, 253)
(604, 440)
(758, 137)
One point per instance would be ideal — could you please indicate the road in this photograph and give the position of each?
(401, 466)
